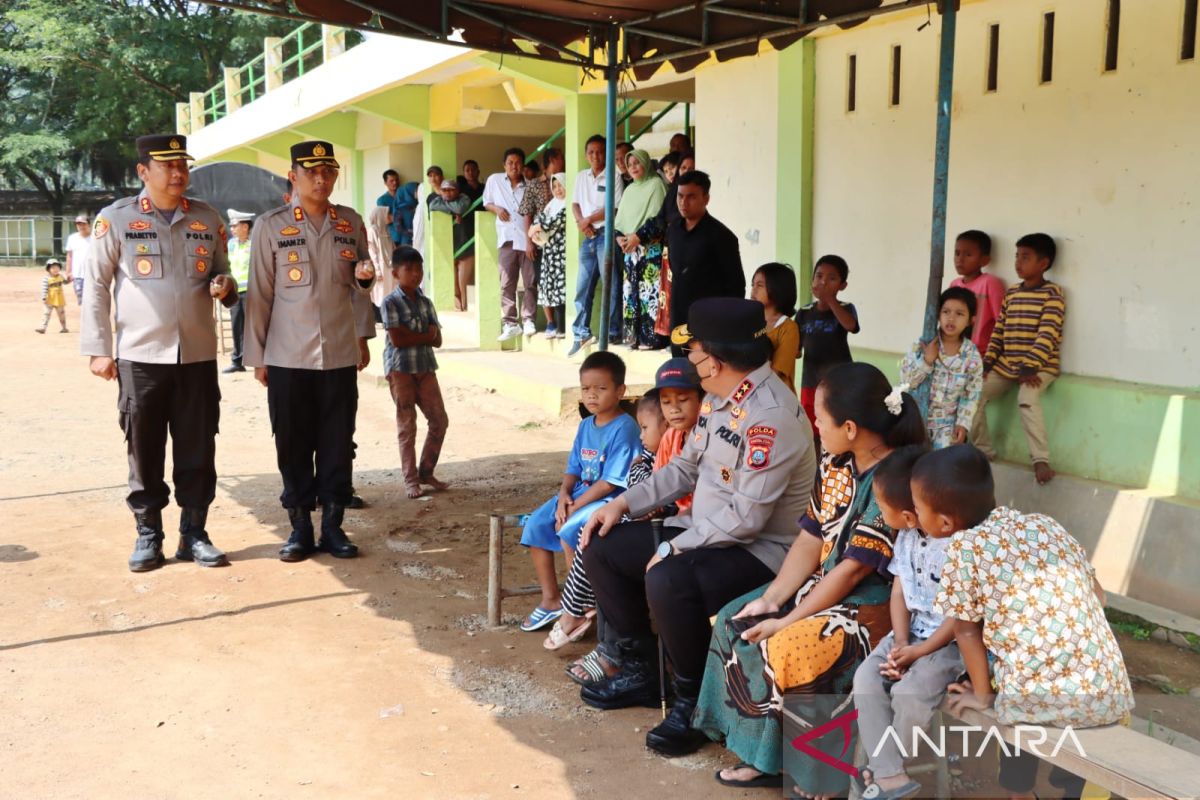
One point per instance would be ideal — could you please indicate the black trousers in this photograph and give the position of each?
(682, 592)
(180, 399)
(237, 321)
(312, 416)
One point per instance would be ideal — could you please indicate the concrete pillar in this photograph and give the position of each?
(440, 269)
(794, 177)
(333, 41)
(183, 119)
(233, 89)
(273, 62)
(196, 101)
(585, 117)
(487, 281)
(441, 149)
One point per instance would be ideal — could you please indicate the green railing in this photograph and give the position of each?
(292, 66)
(300, 51)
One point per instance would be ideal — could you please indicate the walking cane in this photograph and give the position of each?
(656, 527)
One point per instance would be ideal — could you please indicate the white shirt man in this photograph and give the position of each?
(78, 244)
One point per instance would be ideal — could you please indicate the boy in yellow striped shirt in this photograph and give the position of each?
(1024, 349)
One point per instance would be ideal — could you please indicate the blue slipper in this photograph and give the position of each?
(539, 619)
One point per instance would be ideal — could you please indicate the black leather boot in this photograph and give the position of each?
(300, 544)
(194, 544)
(675, 736)
(333, 539)
(635, 685)
(147, 552)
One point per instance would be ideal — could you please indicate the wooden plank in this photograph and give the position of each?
(1121, 760)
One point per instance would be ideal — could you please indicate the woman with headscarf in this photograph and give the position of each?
(641, 201)
(379, 245)
(549, 232)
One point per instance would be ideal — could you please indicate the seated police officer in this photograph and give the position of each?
(308, 315)
(749, 465)
(159, 258)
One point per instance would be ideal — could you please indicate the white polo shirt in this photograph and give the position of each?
(589, 194)
(78, 245)
(499, 191)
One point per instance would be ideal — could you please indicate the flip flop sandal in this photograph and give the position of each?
(876, 792)
(558, 637)
(540, 618)
(591, 664)
(761, 780)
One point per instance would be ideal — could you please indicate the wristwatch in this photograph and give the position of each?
(665, 550)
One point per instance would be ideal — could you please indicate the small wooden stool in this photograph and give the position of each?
(496, 590)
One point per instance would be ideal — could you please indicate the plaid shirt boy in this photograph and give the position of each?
(416, 314)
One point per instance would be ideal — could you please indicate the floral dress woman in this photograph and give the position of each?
(641, 201)
(552, 220)
(804, 672)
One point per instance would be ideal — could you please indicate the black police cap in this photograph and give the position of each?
(163, 147)
(722, 320)
(314, 154)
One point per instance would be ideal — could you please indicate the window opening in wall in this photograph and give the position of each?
(851, 83)
(1112, 35)
(895, 96)
(1048, 47)
(993, 62)
(1187, 50)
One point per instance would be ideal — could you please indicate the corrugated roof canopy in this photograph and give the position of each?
(575, 31)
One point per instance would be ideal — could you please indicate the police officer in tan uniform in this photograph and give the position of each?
(749, 465)
(157, 261)
(308, 315)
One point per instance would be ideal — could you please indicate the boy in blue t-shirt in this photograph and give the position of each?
(606, 443)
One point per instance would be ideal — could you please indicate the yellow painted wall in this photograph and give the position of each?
(1108, 164)
(738, 149)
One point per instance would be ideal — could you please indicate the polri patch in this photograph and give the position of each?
(100, 228)
(759, 443)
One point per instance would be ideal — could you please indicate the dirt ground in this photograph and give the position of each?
(327, 679)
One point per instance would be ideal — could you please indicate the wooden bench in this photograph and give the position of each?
(496, 590)
(1127, 763)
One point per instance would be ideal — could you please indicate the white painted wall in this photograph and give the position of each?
(1108, 164)
(737, 147)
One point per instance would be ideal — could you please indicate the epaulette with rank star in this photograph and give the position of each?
(743, 390)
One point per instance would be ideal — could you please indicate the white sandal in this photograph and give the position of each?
(558, 637)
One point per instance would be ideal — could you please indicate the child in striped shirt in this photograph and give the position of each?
(1024, 350)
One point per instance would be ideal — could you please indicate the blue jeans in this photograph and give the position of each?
(591, 260)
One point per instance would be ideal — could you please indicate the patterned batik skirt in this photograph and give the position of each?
(805, 672)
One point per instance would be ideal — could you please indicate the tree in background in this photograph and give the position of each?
(80, 79)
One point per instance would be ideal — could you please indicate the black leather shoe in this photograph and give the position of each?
(147, 551)
(194, 544)
(234, 367)
(675, 736)
(333, 539)
(300, 544)
(356, 502)
(632, 686)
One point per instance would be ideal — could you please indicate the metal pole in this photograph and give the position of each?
(495, 590)
(941, 168)
(610, 181)
(656, 526)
